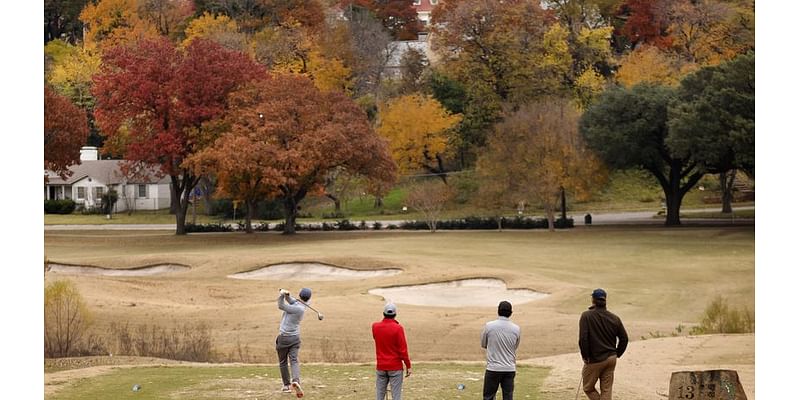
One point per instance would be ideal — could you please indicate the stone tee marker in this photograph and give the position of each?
(718, 384)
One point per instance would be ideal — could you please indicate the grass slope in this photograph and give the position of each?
(346, 382)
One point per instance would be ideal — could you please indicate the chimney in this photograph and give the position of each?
(89, 153)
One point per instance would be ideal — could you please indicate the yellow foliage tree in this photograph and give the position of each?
(416, 126)
(651, 65)
(536, 153)
(219, 28)
(71, 75)
(114, 22)
(330, 74)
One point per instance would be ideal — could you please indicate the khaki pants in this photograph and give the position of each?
(604, 371)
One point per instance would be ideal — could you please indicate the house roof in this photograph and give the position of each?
(106, 171)
(424, 5)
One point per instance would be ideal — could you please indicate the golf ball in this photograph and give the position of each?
(460, 386)
(136, 388)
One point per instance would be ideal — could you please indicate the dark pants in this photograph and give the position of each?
(288, 347)
(493, 379)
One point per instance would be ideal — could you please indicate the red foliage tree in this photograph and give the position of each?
(155, 103)
(303, 134)
(65, 132)
(646, 22)
(398, 16)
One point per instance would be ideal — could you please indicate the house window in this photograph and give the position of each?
(98, 193)
(434, 2)
(81, 193)
(141, 191)
(416, 2)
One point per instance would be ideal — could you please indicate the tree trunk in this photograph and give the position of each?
(563, 205)
(188, 183)
(205, 183)
(173, 199)
(551, 216)
(500, 223)
(337, 203)
(248, 216)
(726, 180)
(674, 197)
(290, 210)
(378, 202)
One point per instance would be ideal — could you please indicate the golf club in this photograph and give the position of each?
(319, 314)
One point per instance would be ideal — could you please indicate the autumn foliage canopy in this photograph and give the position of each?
(65, 132)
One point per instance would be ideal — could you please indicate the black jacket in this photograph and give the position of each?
(599, 331)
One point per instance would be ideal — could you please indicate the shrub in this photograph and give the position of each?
(65, 206)
(66, 319)
(377, 225)
(721, 318)
(186, 343)
(346, 225)
(218, 227)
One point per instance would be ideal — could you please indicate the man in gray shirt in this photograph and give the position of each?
(288, 341)
(500, 338)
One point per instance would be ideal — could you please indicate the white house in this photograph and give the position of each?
(92, 178)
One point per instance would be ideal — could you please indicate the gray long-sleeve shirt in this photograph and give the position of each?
(500, 338)
(292, 315)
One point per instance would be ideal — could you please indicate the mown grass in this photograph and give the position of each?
(428, 381)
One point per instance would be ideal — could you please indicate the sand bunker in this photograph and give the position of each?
(302, 271)
(479, 292)
(138, 271)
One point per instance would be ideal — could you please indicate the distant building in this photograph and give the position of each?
(92, 178)
(424, 8)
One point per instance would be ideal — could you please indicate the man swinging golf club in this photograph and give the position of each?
(288, 341)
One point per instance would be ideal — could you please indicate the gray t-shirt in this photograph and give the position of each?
(500, 338)
(292, 315)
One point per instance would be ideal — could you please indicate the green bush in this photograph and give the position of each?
(719, 317)
(65, 206)
(201, 228)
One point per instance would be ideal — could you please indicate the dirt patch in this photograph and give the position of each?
(644, 371)
(138, 271)
(312, 271)
(478, 292)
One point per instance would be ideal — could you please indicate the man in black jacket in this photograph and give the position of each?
(599, 331)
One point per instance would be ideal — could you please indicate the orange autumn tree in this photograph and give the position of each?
(535, 153)
(286, 137)
(109, 23)
(416, 126)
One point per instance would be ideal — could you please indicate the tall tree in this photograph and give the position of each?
(65, 132)
(398, 16)
(417, 129)
(61, 20)
(712, 121)
(111, 23)
(628, 128)
(314, 134)
(536, 153)
(150, 102)
(70, 73)
(169, 17)
(218, 28)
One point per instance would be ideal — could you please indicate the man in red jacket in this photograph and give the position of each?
(391, 352)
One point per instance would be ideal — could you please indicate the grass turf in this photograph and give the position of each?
(428, 381)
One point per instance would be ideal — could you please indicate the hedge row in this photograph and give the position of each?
(476, 223)
(65, 206)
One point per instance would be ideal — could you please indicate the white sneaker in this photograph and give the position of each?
(286, 389)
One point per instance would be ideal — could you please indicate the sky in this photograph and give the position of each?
(22, 288)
